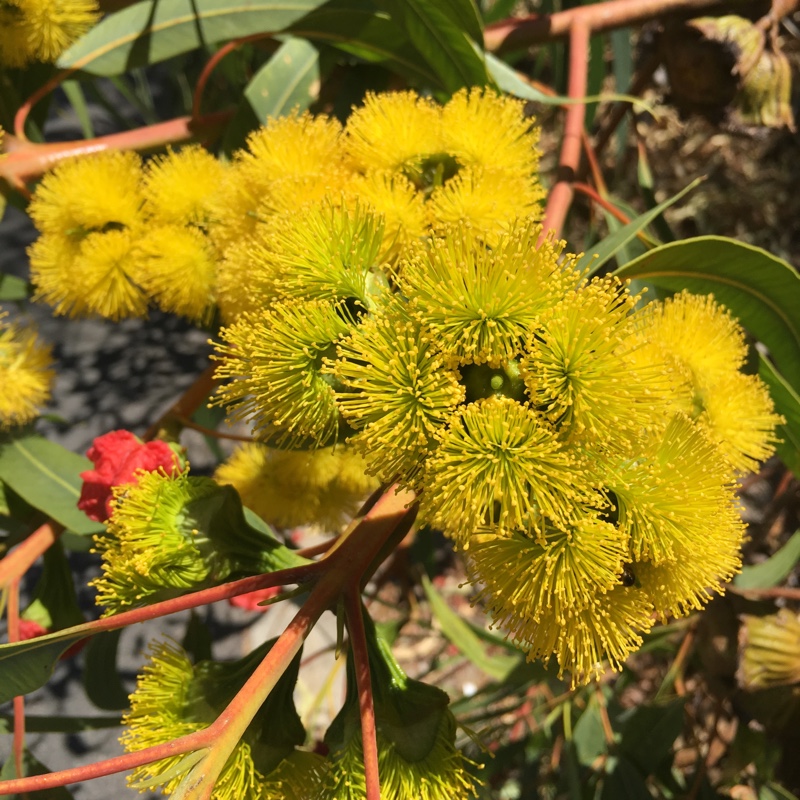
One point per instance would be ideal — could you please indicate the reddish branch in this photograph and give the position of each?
(521, 33)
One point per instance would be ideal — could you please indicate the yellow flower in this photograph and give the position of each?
(287, 488)
(288, 162)
(499, 465)
(578, 373)
(330, 252)
(399, 204)
(769, 650)
(42, 29)
(275, 363)
(396, 391)
(178, 270)
(26, 374)
(393, 131)
(709, 349)
(95, 275)
(489, 201)
(94, 193)
(481, 303)
(484, 129)
(179, 187)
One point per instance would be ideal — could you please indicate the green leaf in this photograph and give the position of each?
(74, 93)
(787, 403)
(588, 734)
(290, 79)
(464, 638)
(465, 15)
(648, 733)
(442, 44)
(4, 509)
(595, 258)
(508, 80)
(763, 291)
(12, 288)
(154, 30)
(100, 675)
(625, 781)
(54, 604)
(774, 570)
(357, 28)
(25, 666)
(47, 476)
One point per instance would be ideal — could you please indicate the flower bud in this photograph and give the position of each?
(170, 534)
(769, 650)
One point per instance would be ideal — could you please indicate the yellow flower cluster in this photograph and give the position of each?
(116, 235)
(580, 451)
(188, 232)
(40, 30)
(26, 374)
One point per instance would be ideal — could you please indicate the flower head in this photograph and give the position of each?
(288, 488)
(172, 534)
(500, 466)
(485, 129)
(40, 30)
(577, 371)
(179, 187)
(26, 374)
(482, 303)
(119, 458)
(396, 391)
(178, 270)
(769, 650)
(275, 361)
(394, 131)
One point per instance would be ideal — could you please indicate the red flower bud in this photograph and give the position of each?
(118, 456)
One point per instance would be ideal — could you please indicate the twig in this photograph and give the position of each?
(188, 402)
(369, 734)
(18, 746)
(560, 195)
(775, 591)
(187, 423)
(521, 33)
(22, 557)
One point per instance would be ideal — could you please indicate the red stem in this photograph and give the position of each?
(26, 161)
(560, 195)
(211, 64)
(22, 557)
(369, 733)
(18, 746)
(592, 193)
(521, 33)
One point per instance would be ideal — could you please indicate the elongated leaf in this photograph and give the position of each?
(25, 666)
(442, 44)
(47, 476)
(358, 28)
(154, 30)
(760, 289)
(464, 14)
(648, 733)
(774, 570)
(100, 675)
(787, 403)
(625, 781)
(595, 258)
(13, 288)
(290, 79)
(464, 638)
